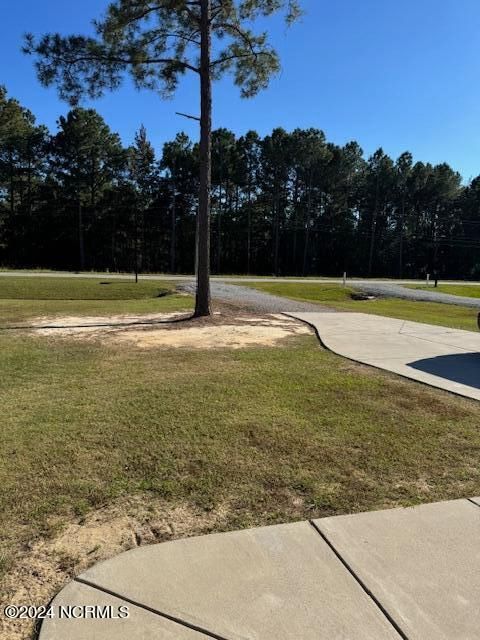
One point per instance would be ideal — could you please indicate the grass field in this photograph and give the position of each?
(470, 291)
(83, 424)
(265, 435)
(44, 288)
(339, 297)
(24, 298)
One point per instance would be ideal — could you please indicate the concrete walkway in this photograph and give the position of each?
(403, 573)
(441, 357)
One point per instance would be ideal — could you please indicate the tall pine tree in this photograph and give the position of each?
(157, 41)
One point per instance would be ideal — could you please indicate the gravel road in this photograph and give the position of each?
(253, 300)
(397, 291)
(263, 302)
(259, 301)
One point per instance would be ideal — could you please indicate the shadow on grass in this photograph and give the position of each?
(134, 323)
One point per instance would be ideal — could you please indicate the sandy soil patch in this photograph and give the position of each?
(164, 330)
(49, 564)
(71, 325)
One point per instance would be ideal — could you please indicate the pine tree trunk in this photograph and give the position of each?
(173, 237)
(135, 249)
(249, 227)
(295, 225)
(202, 303)
(219, 225)
(306, 246)
(373, 229)
(400, 248)
(12, 185)
(275, 236)
(81, 243)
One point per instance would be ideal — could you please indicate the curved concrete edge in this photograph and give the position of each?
(364, 364)
(83, 612)
(408, 573)
(278, 582)
(336, 352)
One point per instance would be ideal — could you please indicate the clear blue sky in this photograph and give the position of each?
(401, 74)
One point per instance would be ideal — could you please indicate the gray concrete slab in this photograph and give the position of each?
(410, 573)
(140, 624)
(439, 356)
(421, 563)
(281, 582)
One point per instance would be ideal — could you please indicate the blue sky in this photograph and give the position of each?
(404, 75)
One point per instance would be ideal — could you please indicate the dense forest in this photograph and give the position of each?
(290, 203)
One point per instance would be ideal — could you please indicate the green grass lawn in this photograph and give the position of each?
(340, 298)
(23, 298)
(469, 291)
(57, 288)
(266, 434)
(84, 423)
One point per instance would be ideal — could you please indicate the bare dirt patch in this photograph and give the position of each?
(47, 565)
(222, 330)
(71, 325)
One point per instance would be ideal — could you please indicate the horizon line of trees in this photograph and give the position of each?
(290, 203)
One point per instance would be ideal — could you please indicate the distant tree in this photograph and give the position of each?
(403, 168)
(444, 218)
(179, 162)
(469, 240)
(248, 171)
(377, 202)
(276, 165)
(87, 157)
(223, 168)
(341, 177)
(290, 203)
(20, 142)
(158, 41)
(143, 174)
(311, 157)
(23, 158)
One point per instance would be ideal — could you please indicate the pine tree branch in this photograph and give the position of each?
(228, 26)
(129, 61)
(252, 54)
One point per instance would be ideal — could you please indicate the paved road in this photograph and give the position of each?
(254, 300)
(224, 278)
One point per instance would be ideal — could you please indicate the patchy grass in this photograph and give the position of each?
(102, 443)
(23, 298)
(277, 434)
(467, 290)
(336, 296)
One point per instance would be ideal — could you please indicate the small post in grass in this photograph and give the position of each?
(344, 278)
(428, 279)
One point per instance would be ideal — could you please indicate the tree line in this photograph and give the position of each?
(289, 203)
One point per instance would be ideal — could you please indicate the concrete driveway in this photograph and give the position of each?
(439, 356)
(386, 575)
